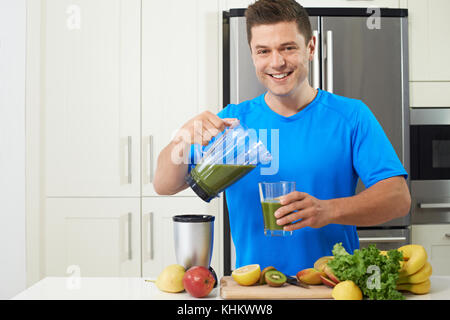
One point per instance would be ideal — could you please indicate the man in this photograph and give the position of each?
(325, 142)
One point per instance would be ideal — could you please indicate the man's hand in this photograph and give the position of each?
(174, 158)
(202, 128)
(297, 205)
(385, 200)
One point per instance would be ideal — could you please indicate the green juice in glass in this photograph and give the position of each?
(269, 207)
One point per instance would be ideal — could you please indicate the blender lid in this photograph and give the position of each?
(193, 218)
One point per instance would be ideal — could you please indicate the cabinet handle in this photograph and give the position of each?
(329, 61)
(129, 236)
(150, 149)
(315, 66)
(383, 239)
(434, 205)
(150, 235)
(129, 160)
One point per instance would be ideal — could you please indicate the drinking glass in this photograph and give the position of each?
(270, 193)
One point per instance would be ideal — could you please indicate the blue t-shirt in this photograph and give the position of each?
(323, 148)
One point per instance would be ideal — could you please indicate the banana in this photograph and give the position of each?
(416, 288)
(415, 258)
(418, 277)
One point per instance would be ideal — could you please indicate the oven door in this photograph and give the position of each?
(430, 144)
(430, 201)
(384, 239)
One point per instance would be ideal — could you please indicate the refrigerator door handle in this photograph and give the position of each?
(329, 66)
(316, 65)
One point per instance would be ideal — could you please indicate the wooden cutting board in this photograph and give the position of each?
(230, 289)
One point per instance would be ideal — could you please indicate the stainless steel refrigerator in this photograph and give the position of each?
(362, 54)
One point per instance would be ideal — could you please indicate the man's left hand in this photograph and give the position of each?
(313, 212)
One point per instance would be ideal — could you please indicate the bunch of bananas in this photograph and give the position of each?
(415, 270)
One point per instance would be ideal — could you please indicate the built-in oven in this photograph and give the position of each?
(430, 166)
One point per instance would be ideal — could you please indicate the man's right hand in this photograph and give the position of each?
(173, 160)
(202, 128)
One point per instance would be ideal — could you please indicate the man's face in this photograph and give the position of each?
(281, 57)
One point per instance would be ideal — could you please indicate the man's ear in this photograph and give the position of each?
(312, 47)
(251, 54)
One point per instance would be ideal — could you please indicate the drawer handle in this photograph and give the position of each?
(129, 142)
(130, 238)
(383, 239)
(150, 235)
(150, 149)
(434, 205)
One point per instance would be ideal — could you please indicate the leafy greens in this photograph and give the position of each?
(374, 273)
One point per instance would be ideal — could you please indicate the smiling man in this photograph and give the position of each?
(325, 143)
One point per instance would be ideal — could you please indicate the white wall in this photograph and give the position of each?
(12, 147)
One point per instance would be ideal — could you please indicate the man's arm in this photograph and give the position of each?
(172, 165)
(386, 200)
(169, 175)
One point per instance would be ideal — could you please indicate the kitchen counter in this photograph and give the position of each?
(53, 288)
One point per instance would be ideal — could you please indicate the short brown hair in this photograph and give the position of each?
(274, 11)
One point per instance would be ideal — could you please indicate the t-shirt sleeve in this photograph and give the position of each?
(196, 150)
(374, 158)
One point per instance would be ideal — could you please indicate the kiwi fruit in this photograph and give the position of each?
(262, 279)
(275, 278)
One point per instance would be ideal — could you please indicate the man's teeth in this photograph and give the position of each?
(279, 76)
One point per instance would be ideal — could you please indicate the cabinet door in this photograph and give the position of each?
(91, 97)
(158, 250)
(428, 34)
(97, 237)
(436, 240)
(324, 3)
(180, 73)
(350, 3)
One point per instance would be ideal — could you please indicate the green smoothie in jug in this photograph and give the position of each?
(216, 177)
(269, 208)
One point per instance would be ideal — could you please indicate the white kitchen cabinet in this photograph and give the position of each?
(158, 250)
(428, 53)
(91, 97)
(112, 98)
(325, 3)
(428, 34)
(180, 73)
(93, 237)
(350, 3)
(436, 241)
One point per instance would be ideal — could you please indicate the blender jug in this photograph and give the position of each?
(232, 155)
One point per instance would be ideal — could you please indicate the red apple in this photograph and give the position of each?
(198, 281)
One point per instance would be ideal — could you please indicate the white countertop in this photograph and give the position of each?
(52, 288)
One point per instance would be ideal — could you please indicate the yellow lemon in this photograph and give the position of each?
(346, 290)
(247, 275)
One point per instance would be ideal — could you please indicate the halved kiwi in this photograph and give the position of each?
(275, 278)
(262, 280)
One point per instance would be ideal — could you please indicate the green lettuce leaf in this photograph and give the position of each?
(375, 274)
